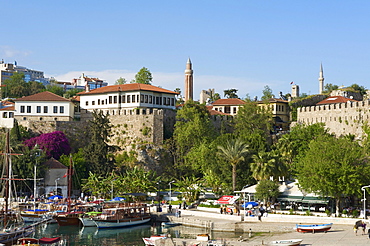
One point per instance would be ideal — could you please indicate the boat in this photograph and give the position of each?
(69, 218)
(87, 220)
(124, 214)
(150, 241)
(10, 232)
(203, 237)
(313, 227)
(288, 242)
(35, 241)
(169, 224)
(35, 215)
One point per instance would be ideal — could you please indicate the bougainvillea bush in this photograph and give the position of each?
(54, 144)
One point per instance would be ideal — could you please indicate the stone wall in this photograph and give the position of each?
(340, 118)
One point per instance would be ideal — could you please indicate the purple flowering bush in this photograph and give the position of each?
(54, 144)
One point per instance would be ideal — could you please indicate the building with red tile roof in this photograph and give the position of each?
(227, 106)
(128, 96)
(335, 99)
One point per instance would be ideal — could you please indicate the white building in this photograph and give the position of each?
(44, 106)
(128, 96)
(228, 106)
(7, 114)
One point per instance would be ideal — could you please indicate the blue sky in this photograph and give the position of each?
(233, 44)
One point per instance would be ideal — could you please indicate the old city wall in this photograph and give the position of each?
(130, 127)
(340, 118)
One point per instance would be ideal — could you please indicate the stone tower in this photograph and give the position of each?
(188, 81)
(321, 80)
(295, 91)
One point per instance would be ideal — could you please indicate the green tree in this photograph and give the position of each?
(267, 190)
(15, 86)
(35, 87)
(267, 93)
(333, 167)
(137, 180)
(234, 151)
(191, 120)
(56, 89)
(266, 165)
(253, 124)
(144, 76)
(358, 88)
(231, 93)
(120, 81)
(97, 149)
(79, 167)
(190, 187)
(329, 88)
(72, 92)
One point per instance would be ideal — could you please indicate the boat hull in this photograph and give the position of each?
(87, 222)
(289, 242)
(121, 223)
(313, 227)
(68, 219)
(7, 237)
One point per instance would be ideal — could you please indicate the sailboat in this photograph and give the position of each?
(11, 233)
(70, 217)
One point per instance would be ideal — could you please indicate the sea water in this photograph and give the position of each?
(130, 236)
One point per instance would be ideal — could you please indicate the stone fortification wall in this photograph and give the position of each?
(309, 101)
(222, 123)
(340, 118)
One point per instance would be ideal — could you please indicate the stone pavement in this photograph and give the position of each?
(277, 228)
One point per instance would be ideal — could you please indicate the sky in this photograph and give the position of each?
(245, 44)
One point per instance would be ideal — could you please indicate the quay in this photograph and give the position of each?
(271, 228)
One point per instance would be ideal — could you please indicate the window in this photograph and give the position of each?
(29, 109)
(102, 102)
(128, 99)
(110, 99)
(146, 98)
(45, 109)
(172, 101)
(123, 99)
(115, 99)
(133, 98)
(38, 109)
(164, 101)
(142, 98)
(98, 101)
(150, 99)
(137, 98)
(61, 109)
(55, 109)
(93, 103)
(11, 115)
(87, 103)
(5, 115)
(22, 109)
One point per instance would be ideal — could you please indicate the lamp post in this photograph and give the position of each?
(364, 200)
(171, 190)
(56, 186)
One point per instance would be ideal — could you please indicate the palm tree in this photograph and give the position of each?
(234, 152)
(267, 164)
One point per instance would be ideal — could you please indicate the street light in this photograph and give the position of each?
(363, 188)
(170, 190)
(56, 186)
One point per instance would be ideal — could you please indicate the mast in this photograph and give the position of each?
(69, 175)
(7, 178)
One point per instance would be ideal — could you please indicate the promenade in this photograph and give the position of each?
(274, 227)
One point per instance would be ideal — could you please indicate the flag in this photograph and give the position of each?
(65, 175)
(291, 82)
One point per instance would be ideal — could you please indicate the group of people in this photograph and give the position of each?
(231, 211)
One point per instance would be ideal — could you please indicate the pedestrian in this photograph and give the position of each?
(221, 210)
(225, 210)
(364, 228)
(170, 209)
(368, 233)
(179, 213)
(259, 216)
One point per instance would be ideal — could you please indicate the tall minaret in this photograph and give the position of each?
(321, 80)
(188, 81)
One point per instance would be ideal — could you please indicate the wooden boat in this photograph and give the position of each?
(313, 227)
(35, 215)
(150, 241)
(289, 242)
(126, 214)
(87, 220)
(35, 241)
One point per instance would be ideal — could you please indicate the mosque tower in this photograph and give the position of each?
(321, 80)
(188, 81)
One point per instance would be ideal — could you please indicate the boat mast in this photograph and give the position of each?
(69, 174)
(7, 178)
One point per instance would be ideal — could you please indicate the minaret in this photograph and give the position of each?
(321, 80)
(188, 81)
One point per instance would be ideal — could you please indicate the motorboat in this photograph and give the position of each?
(288, 242)
(313, 227)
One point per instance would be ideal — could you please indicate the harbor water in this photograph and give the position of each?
(74, 235)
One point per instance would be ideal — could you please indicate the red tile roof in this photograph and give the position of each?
(128, 87)
(228, 101)
(43, 96)
(54, 164)
(10, 108)
(335, 99)
(215, 112)
(274, 100)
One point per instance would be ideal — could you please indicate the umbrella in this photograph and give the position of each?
(250, 204)
(55, 197)
(118, 199)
